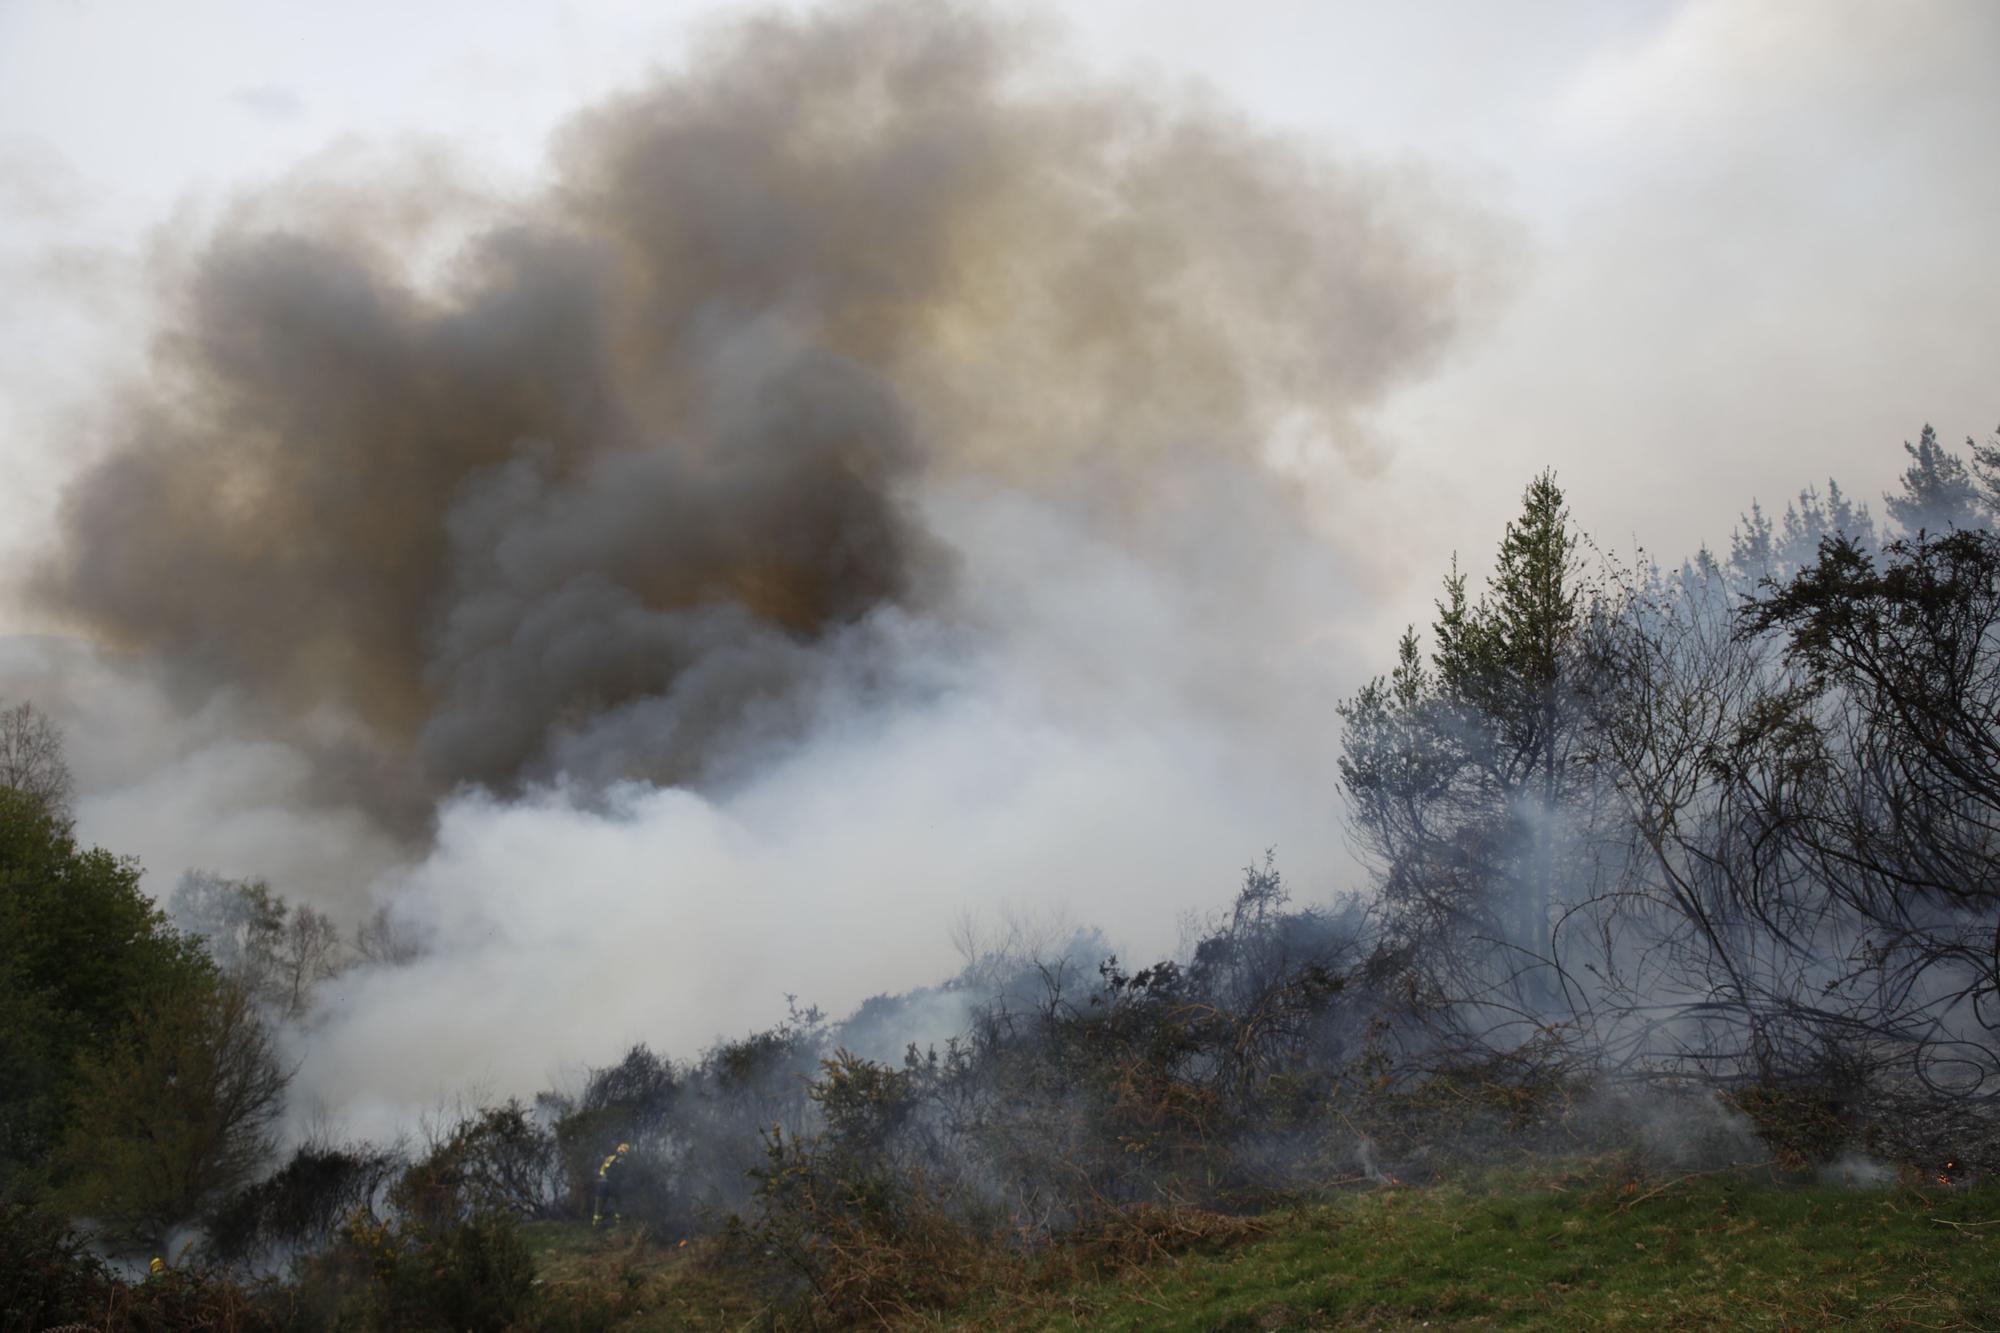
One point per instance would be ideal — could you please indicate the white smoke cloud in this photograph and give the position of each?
(1067, 753)
(1129, 691)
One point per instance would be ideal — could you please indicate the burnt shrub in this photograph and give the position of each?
(1802, 1122)
(496, 1160)
(48, 1276)
(194, 1298)
(694, 1128)
(626, 1102)
(302, 1205)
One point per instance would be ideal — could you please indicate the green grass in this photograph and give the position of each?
(1710, 1253)
(1505, 1251)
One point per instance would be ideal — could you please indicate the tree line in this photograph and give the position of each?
(1736, 819)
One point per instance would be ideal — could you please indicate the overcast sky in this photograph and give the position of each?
(1755, 237)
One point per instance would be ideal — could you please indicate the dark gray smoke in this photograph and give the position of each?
(612, 486)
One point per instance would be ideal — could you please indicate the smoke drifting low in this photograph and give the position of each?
(864, 484)
(596, 496)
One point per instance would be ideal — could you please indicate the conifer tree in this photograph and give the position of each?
(1462, 776)
(1938, 492)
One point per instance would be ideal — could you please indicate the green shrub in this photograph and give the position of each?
(477, 1273)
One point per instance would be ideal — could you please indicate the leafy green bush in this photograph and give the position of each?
(81, 948)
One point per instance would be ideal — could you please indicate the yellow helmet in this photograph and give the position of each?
(158, 1265)
(624, 1147)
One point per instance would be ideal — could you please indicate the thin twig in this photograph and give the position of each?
(1965, 1226)
(1682, 1180)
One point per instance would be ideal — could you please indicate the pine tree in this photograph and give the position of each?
(1513, 668)
(1938, 492)
(1844, 519)
(1751, 552)
(1461, 776)
(1986, 472)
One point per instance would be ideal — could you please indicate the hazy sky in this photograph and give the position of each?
(1755, 236)
(1724, 249)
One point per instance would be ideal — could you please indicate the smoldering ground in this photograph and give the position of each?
(864, 478)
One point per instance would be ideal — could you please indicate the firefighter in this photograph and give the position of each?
(610, 1186)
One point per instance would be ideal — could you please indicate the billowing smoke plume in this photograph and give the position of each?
(609, 491)
(869, 483)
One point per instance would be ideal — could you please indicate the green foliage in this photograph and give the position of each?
(171, 1118)
(81, 949)
(1572, 1251)
(238, 921)
(1939, 492)
(864, 1103)
(276, 951)
(870, 1242)
(1506, 653)
(132, 1073)
(477, 1273)
(1461, 776)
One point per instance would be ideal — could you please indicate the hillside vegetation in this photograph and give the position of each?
(1587, 1245)
(1672, 1002)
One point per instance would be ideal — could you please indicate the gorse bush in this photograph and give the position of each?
(498, 1160)
(867, 1240)
(474, 1273)
(50, 1279)
(303, 1204)
(694, 1128)
(48, 1276)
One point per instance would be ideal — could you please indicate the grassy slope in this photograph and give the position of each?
(1712, 1252)
(1708, 1254)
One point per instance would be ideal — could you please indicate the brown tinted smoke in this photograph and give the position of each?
(614, 489)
